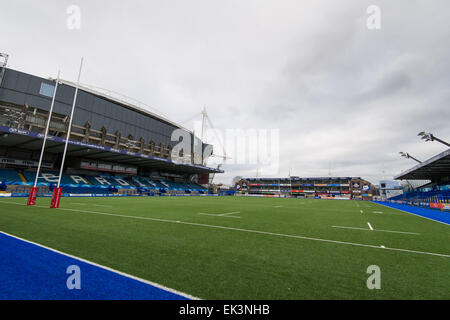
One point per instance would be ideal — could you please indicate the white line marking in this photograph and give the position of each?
(413, 214)
(277, 206)
(355, 228)
(102, 205)
(217, 215)
(79, 203)
(415, 233)
(227, 213)
(241, 230)
(342, 227)
(377, 212)
(371, 229)
(106, 268)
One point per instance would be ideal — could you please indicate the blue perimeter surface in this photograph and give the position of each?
(30, 272)
(436, 215)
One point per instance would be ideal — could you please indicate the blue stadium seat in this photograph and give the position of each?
(9, 176)
(424, 196)
(99, 184)
(107, 180)
(47, 176)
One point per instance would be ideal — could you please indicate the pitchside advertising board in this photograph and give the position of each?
(440, 205)
(433, 205)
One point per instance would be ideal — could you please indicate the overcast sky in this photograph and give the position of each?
(344, 98)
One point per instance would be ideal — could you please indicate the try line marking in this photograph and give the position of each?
(239, 229)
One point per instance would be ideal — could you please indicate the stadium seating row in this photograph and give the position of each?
(9, 175)
(101, 183)
(436, 196)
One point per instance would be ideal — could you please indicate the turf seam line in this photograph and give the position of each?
(246, 230)
(154, 284)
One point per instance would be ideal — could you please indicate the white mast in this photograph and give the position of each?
(204, 115)
(290, 180)
(70, 124)
(46, 130)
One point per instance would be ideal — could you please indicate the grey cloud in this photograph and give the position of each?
(341, 95)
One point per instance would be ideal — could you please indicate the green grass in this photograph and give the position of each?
(218, 257)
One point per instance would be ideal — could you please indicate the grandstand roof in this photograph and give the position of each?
(431, 169)
(30, 140)
(124, 101)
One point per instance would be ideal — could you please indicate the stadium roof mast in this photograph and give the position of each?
(408, 156)
(206, 119)
(427, 136)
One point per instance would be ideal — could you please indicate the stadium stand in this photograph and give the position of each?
(435, 194)
(96, 184)
(316, 187)
(48, 177)
(115, 147)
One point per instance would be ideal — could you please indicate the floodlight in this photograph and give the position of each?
(408, 156)
(428, 136)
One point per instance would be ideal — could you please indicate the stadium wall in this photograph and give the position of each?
(22, 89)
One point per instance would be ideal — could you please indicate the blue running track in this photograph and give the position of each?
(31, 272)
(433, 214)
